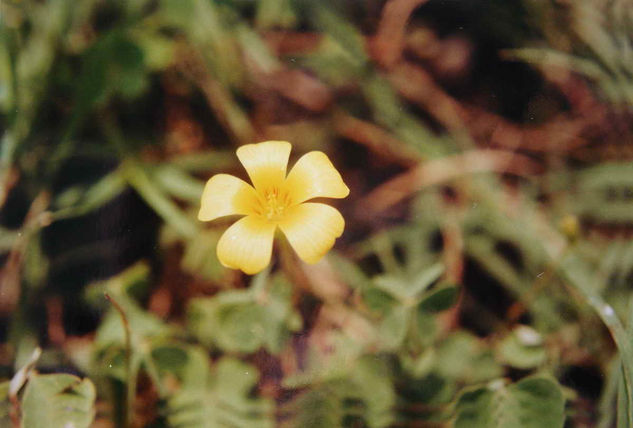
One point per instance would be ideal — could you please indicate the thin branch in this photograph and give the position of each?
(16, 384)
(386, 46)
(438, 171)
(10, 275)
(376, 139)
(418, 86)
(131, 386)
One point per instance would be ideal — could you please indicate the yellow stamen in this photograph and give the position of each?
(272, 204)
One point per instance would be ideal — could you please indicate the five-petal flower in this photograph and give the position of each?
(275, 200)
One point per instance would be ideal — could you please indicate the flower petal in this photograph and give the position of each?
(311, 229)
(314, 176)
(247, 245)
(226, 195)
(265, 162)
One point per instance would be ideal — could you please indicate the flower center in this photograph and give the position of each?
(272, 204)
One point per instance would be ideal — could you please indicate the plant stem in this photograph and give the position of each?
(131, 386)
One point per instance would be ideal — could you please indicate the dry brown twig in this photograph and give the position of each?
(284, 43)
(438, 171)
(298, 87)
(220, 100)
(8, 179)
(419, 87)
(376, 139)
(387, 45)
(559, 135)
(10, 275)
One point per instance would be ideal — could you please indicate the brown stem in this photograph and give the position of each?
(442, 170)
(10, 275)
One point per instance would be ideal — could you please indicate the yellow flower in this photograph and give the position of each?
(275, 200)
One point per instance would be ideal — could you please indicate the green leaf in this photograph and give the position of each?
(146, 329)
(130, 284)
(583, 280)
(126, 73)
(419, 365)
(534, 402)
(522, 348)
(7, 96)
(203, 162)
(36, 58)
(5, 405)
(623, 405)
(158, 200)
(439, 300)
(189, 364)
(58, 401)
(275, 13)
(77, 201)
(549, 57)
(425, 278)
(7, 239)
(408, 287)
(372, 384)
(246, 320)
(153, 349)
(341, 56)
(200, 257)
(210, 29)
(224, 400)
(604, 193)
(340, 30)
(362, 392)
(113, 65)
(317, 407)
(390, 111)
(178, 183)
(158, 50)
(393, 328)
(463, 357)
